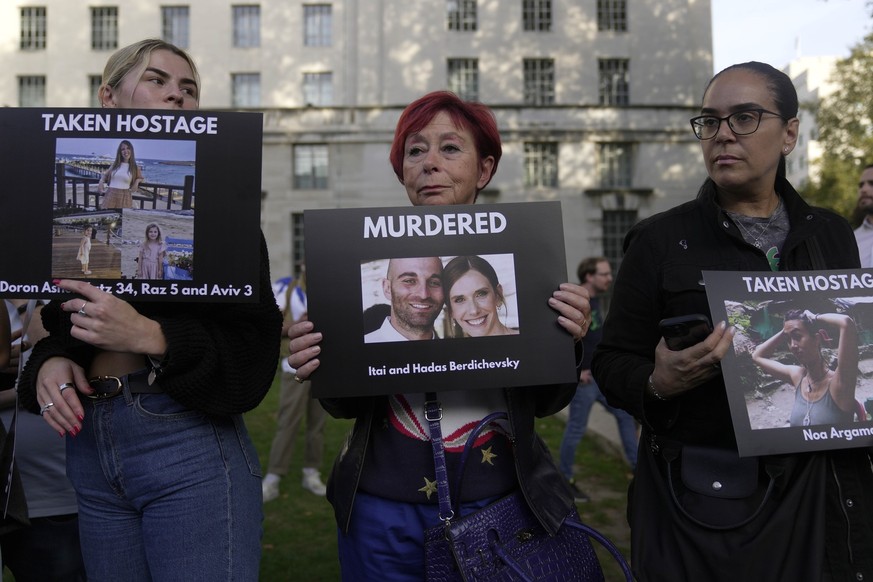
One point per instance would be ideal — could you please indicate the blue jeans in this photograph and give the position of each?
(386, 538)
(577, 424)
(165, 492)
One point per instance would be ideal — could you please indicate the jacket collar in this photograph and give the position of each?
(799, 212)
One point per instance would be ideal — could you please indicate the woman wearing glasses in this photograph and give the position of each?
(697, 511)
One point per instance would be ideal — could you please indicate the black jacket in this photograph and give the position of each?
(661, 277)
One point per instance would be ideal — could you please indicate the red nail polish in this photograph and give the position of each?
(81, 417)
(60, 432)
(56, 281)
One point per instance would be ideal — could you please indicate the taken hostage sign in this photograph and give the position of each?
(352, 300)
(761, 406)
(199, 197)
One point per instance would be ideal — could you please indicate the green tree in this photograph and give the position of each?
(845, 121)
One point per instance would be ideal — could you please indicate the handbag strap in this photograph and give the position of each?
(772, 472)
(468, 446)
(433, 413)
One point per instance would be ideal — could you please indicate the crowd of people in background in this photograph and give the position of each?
(156, 477)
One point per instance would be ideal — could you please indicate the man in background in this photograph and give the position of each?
(864, 233)
(295, 401)
(595, 275)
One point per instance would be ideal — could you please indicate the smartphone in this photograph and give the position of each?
(685, 330)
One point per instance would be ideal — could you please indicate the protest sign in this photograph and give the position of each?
(399, 313)
(799, 375)
(149, 206)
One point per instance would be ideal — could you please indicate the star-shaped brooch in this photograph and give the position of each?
(430, 487)
(487, 455)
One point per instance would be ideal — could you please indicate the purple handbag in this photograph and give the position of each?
(504, 541)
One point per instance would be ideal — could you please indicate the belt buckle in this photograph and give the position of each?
(102, 395)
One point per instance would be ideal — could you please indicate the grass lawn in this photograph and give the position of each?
(300, 532)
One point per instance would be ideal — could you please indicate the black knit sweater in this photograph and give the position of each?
(221, 357)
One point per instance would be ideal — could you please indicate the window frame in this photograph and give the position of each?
(317, 25)
(309, 155)
(94, 82)
(176, 24)
(614, 81)
(298, 242)
(614, 226)
(33, 28)
(612, 15)
(31, 90)
(245, 90)
(615, 164)
(104, 28)
(536, 15)
(462, 77)
(541, 164)
(246, 23)
(539, 81)
(462, 15)
(319, 85)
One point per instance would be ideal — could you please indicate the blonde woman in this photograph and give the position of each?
(167, 479)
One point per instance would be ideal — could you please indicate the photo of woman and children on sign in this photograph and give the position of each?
(124, 216)
(805, 363)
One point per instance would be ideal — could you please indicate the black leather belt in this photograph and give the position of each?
(135, 383)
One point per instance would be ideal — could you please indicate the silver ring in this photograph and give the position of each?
(82, 309)
(45, 408)
(66, 386)
(298, 379)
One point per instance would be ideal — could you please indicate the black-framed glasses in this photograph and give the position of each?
(740, 122)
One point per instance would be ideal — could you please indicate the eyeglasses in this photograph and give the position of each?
(740, 122)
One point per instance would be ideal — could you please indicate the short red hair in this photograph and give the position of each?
(470, 115)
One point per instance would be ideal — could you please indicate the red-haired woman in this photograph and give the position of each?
(382, 487)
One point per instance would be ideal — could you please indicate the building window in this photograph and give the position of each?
(174, 25)
(539, 81)
(31, 91)
(247, 26)
(94, 82)
(246, 89)
(537, 14)
(310, 167)
(298, 245)
(612, 15)
(461, 14)
(614, 86)
(33, 26)
(541, 165)
(104, 28)
(615, 165)
(318, 89)
(616, 224)
(463, 78)
(317, 25)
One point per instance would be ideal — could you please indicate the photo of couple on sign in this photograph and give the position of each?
(422, 298)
